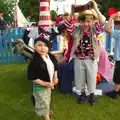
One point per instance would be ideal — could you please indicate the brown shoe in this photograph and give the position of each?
(51, 113)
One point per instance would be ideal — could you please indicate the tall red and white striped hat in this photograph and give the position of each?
(44, 17)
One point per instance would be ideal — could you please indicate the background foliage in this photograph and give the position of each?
(30, 8)
(6, 6)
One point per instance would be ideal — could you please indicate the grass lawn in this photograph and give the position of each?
(15, 103)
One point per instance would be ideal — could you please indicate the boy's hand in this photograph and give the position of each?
(95, 6)
(113, 16)
(49, 84)
(55, 81)
(73, 9)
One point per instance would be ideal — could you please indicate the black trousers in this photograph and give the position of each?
(66, 76)
(116, 76)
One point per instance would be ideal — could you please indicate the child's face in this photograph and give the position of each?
(86, 23)
(65, 17)
(41, 48)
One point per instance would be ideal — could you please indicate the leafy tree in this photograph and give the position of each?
(30, 8)
(53, 15)
(106, 4)
(6, 7)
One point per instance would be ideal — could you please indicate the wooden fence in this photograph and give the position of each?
(6, 39)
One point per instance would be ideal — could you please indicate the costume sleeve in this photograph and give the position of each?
(68, 51)
(31, 74)
(98, 27)
(70, 26)
(115, 34)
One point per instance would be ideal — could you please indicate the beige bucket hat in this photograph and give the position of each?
(89, 12)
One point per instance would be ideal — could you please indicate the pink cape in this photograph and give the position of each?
(104, 65)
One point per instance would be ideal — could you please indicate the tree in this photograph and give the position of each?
(53, 15)
(6, 6)
(106, 4)
(30, 8)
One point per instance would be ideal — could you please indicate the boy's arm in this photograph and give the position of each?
(70, 27)
(108, 27)
(42, 83)
(55, 78)
(55, 75)
(101, 17)
(68, 23)
(63, 60)
(72, 13)
(31, 74)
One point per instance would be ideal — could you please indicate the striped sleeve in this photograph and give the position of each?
(98, 27)
(70, 26)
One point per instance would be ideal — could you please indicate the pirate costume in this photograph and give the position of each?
(43, 68)
(85, 52)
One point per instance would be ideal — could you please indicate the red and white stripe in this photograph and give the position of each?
(44, 17)
(70, 27)
(98, 27)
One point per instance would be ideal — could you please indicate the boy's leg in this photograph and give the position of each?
(46, 117)
(117, 87)
(42, 102)
(114, 93)
(80, 78)
(91, 70)
(116, 80)
(116, 76)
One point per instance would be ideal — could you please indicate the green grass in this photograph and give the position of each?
(15, 103)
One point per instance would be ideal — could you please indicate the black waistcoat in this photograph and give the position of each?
(37, 68)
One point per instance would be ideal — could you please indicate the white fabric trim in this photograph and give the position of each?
(50, 66)
(31, 43)
(97, 92)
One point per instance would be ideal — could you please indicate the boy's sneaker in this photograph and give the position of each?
(92, 100)
(82, 98)
(113, 94)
